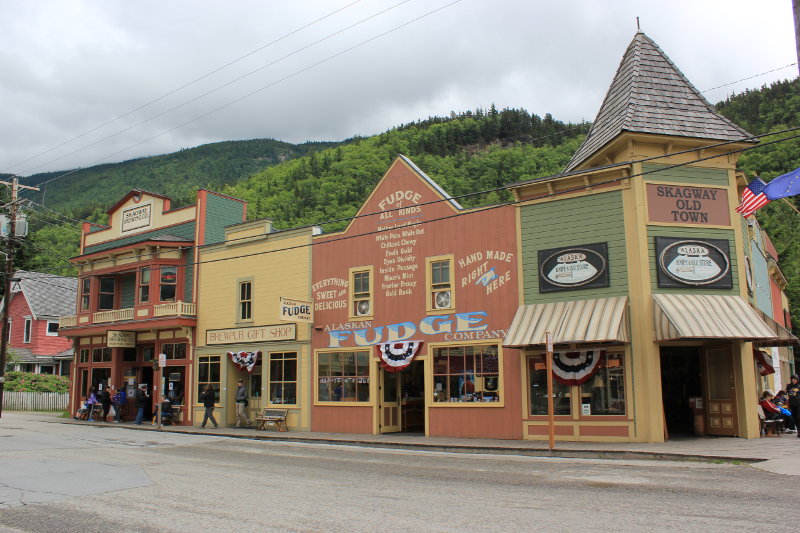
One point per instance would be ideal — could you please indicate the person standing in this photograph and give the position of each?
(105, 399)
(241, 404)
(119, 400)
(141, 403)
(208, 398)
(793, 392)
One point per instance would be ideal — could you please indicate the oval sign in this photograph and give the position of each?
(573, 267)
(694, 263)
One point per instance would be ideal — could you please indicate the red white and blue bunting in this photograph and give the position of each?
(245, 360)
(575, 368)
(763, 362)
(395, 356)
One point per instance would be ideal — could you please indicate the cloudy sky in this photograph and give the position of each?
(89, 82)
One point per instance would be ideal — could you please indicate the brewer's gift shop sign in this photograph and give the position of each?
(576, 267)
(700, 263)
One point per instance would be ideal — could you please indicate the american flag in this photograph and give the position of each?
(753, 198)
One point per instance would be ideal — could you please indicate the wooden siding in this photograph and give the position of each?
(185, 230)
(686, 175)
(690, 233)
(220, 212)
(571, 222)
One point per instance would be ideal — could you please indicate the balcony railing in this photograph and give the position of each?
(175, 309)
(68, 321)
(113, 316)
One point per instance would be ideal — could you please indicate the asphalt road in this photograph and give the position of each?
(60, 477)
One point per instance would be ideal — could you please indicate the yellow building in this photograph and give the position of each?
(244, 332)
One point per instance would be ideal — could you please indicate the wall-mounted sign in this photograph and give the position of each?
(121, 339)
(677, 204)
(295, 310)
(277, 332)
(748, 274)
(701, 263)
(136, 217)
(576, 267)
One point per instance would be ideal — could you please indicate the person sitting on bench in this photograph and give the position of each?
(166, 412)
(772, 412)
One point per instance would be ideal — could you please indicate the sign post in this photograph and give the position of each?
(162, 362)
(551, 420)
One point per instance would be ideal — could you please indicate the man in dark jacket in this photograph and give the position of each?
(141, 403)
(793, 392)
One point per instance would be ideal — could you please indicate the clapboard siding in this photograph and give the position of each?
(686, 175)
(571, 222)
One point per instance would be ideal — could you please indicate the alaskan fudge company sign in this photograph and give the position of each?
(701, 263)
(576, 267)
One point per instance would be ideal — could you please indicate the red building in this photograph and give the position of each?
(411, 304)
(37, 301)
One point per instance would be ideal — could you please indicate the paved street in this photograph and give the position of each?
(77, 477)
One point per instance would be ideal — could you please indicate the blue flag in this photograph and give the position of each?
(783, 186)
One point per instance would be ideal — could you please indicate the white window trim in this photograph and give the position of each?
(47, 331)
(27, 331)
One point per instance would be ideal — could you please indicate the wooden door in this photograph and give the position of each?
(720, 388)
(389, 402)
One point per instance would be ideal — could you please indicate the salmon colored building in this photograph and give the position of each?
(411, 304)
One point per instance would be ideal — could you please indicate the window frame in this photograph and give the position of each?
(86, 293)
(106, 354)
(209, 360)
(170, 352)
(501, 392)
(271, 380)
(360, 296)
(83, 355)
(101, 293)
(161, 284)
(27, 331)
(47, 330)
(432, 288)
(241, 302)
(143, 287)
(369, 382)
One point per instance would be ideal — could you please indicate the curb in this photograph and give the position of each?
(452, 448)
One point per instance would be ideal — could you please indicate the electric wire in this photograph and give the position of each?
(750, 77)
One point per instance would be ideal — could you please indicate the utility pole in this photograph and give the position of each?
(9, 253)
(796, 10)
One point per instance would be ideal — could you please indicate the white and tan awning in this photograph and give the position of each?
(707, 316)
(574, 322)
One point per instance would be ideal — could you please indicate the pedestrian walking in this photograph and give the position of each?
(208, 397)
(241, 404)
(141, 402)
(119, 400)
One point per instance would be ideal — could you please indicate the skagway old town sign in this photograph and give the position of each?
(701, 263)
(688, 205)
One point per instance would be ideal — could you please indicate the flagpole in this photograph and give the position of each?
(790, 204)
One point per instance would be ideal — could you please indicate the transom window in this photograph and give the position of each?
(343, 377)
(468, 373)
(174, 350)
(101, 355)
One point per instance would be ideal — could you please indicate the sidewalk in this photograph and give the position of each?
(775, 454)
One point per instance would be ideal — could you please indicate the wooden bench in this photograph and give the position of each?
(96, 414)
(275, 417)
(168, 420)
(769, 428)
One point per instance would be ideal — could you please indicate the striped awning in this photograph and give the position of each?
(707, 316)
(573, 322)
(784, 336)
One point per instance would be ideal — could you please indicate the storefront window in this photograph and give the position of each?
(466, 374)
(175, 383)
(537, 372)
(174, 351)
(605, 391)
(208, 372)
(169, 280)
(283, 378)
(100, 355)
(343, 376)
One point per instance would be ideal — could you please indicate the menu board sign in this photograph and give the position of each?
(576, 267)
(701, 263)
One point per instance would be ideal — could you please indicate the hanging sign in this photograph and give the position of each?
(121, 339)
(701, 263)
(575, 368)
(244, 360)
(295, 310)
(395, 356)
(576, 267)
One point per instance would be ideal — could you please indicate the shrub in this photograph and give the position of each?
(28, 382)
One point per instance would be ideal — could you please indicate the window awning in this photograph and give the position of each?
(574, 322)
(708, 316)
(784, 336)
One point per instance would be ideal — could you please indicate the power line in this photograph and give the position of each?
(203, 95)
(184, 86)
(750, 77)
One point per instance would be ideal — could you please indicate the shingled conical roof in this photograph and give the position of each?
(650, 94)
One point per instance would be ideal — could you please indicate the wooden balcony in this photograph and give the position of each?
(113, 316)
(175, 309)
(68, 321)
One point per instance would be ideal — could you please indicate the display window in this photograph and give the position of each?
(343, 376)
(208, 373)
(562, 394)
(466, 374)
(283, 378)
